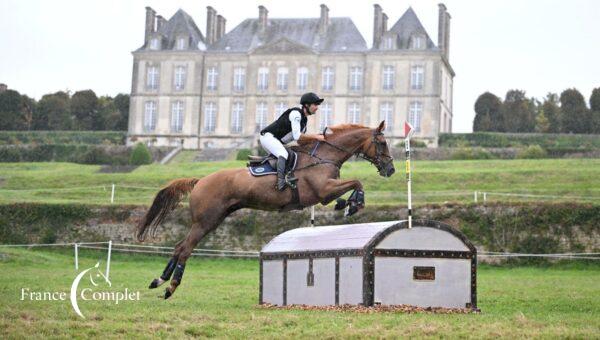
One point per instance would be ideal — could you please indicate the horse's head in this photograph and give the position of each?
(376, 150)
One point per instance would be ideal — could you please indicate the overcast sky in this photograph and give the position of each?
(537, 46)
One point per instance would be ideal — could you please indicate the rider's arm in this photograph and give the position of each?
(295, 118)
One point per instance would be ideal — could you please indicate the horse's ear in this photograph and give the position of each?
(381, 126)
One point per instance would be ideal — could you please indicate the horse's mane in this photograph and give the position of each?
(336, 129)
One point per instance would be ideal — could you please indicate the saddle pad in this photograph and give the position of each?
(265, 167)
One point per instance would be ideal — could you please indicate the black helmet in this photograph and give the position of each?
(310, 98)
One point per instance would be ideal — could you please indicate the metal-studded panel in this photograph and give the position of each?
(272, 282)
(422, 238)
(350, 285)
(321, 293)
(395, 283)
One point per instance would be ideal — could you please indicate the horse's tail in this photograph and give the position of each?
(165, 201)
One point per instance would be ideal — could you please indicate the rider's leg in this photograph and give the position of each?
(274, 146)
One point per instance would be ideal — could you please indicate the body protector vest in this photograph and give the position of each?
(282, 127)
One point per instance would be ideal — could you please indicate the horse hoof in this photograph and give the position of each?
(155, 283)
(340, 204)
(167, 293)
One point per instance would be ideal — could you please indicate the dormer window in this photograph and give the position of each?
(418, 43)
(154, 44)
(388, 43)
(181, 43)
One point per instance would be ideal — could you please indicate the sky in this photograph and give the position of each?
(537, 46)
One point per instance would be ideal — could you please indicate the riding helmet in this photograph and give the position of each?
(310, 98)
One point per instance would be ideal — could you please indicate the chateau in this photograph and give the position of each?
(218, 89)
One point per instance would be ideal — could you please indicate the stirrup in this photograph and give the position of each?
(290, 180)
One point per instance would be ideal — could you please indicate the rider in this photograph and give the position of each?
(290, 126)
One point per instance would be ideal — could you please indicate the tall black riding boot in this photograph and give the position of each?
(281, 173)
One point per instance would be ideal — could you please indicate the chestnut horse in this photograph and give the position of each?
(219, 194)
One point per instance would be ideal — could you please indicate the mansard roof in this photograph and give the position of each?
(341, 36)
(181, 24)
(407, 26)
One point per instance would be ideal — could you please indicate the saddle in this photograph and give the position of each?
(267, 165)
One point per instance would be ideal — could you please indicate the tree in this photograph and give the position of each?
(595, 110)
(140, 155)
(541, 122)
(487, 113)
(121, 102)
(53, 112)
(28, 106)
(552, 112)
(575, 116)
(84, 107)
(518, 112)
(11, 115)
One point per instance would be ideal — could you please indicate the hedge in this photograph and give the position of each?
(504, 140)
(62, 137)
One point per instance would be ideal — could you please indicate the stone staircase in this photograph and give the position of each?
(217, 154)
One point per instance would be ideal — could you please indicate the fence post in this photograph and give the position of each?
(475, 196)
(76, 257)
(312, 216)
(108, 259)
(484, 197)
(112, 194)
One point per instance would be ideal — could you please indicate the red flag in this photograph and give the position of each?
(408, 130)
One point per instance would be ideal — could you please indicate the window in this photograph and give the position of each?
(150, 116)
(282, 79)
(261, 115)
(325, 116)
(386, 112)
(239, 78)
(388, 77)
(181, 44)
(414, 115)
(388, 43)
(152, 78)
(302, 78)
(327, 78)
(279, 109)
(353, 113)
(212, 76)
(177, 116)
(417, 43)
(210, 117)
(154, 44)
(416, 77)
(237, 117)
(263, 78)
(179, 79)
(356, 78)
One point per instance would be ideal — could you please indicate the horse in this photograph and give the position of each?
(214, 197)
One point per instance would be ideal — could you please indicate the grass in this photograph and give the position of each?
(433, 181)
(218, 298)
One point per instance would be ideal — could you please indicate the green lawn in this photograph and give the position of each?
(218, 297)
(433, 181)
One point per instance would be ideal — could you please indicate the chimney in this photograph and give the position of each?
(384, 23)
(211, 24)
(377, 26)
(443, 30)
(160, 22)
(150, 18)
(262, 17)
(324, 20)
(220, 26)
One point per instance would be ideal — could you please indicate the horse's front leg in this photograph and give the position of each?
(335, 188)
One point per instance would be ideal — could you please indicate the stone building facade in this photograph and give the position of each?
(218, 90)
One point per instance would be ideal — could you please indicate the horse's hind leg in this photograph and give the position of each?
(183, 252)
(166, 275)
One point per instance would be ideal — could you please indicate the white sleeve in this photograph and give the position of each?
(295, 118)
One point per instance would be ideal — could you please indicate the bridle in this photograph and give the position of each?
(380, 160)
